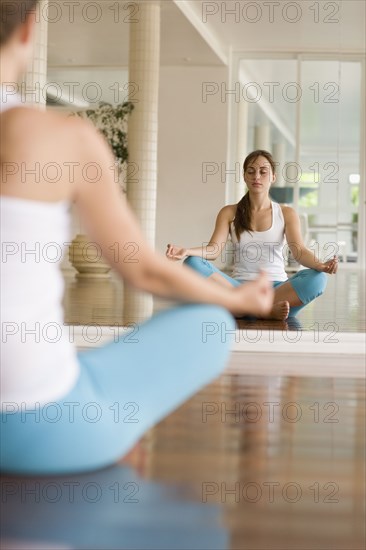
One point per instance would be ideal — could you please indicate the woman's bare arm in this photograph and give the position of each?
(298, 249)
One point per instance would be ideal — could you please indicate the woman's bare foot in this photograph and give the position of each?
(279, 311)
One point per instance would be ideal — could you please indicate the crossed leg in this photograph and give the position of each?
(284, 298)
(289, 297)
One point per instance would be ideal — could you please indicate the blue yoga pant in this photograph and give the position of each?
(124, 388)
(307, 283)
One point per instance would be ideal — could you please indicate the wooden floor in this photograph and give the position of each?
(286, 465)
(251, 462)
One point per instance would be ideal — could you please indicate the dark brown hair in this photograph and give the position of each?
(12, 14)
(242, 221)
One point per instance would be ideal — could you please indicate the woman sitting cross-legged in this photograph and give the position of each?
(64, 410)
(258, 228)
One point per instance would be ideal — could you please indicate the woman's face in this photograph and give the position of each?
(259, 175)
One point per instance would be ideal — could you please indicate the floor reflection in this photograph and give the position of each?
(113, 508)
(342, 306)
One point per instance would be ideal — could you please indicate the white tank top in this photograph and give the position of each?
(260, 250)
(38, 361)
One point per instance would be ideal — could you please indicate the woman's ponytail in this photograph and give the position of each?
(243, 216)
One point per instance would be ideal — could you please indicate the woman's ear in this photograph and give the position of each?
(273, 178)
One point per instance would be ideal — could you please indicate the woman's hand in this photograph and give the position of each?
(254, 297)
(175, 252)
(331, 266)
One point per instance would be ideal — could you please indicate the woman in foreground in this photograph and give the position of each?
(258, 228)
(63, 411)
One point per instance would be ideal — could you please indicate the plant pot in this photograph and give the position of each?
(86, 257)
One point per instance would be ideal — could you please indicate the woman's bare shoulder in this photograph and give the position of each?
(31, 129)
(228, 212)
(53, 146)
(290, 215)
(49, 137)
(287, 210)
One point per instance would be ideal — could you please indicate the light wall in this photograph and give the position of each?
(191, 132)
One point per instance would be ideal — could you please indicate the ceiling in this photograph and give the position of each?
(198, 33)
(204, 33)
(280, 25)
(78, 42)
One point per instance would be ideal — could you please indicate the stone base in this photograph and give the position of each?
(85, 257)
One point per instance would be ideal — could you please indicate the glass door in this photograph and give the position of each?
(330, 154)
(307, 112)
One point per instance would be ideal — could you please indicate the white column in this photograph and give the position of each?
(33, 87)
(279, 155)
(262, 138)
(144, 60)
